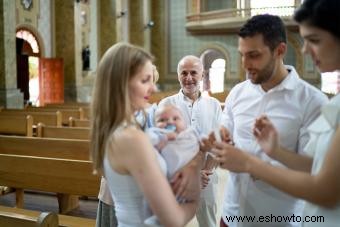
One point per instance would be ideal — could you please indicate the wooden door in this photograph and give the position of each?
(51, 80)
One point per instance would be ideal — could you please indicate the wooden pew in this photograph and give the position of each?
(16, 125)
(68, 104)
(63, 132)
(45, 219)
(64, 220)
(66, 113)
(221, 96)
(73, 122)
(63, 176)
(45, 147)
(48, 118)
(50, 148)
(85, 110)
(158, 96)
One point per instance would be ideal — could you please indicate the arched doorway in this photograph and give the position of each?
(28, 54)
(214, 64)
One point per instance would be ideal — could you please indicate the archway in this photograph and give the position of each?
(214, 64)
(28, 54)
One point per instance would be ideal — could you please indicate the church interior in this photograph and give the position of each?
(50, 51)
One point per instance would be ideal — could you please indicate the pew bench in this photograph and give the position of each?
(16, 125)
(48, 148)
(66, 113)
(48, 118)
(62, 132)
(45, 147)
(74, 122)
(10, 216)
(62, 176)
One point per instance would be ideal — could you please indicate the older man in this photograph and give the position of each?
(203, 113)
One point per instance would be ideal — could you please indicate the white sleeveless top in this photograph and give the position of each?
(322, 131)
(127, 195)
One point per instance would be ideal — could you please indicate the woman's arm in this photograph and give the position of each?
(186, 176)
(322, 189)
(138, 158)
(267, 137)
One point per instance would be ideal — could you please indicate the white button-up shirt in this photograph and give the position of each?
(291, 106)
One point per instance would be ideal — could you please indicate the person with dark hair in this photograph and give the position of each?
(276, 90)
(318, 182)
(271, 27)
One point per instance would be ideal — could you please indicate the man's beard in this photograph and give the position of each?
(265, 74)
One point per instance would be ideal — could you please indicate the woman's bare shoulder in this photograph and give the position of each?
(130, 139)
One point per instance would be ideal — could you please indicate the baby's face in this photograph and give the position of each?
(170, 116)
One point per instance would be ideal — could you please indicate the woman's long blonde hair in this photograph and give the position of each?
(111, 105)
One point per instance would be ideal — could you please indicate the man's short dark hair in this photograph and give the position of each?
(271, 27)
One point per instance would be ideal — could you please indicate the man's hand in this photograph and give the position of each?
(231, 158)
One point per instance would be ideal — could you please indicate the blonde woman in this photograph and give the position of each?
(119, 147)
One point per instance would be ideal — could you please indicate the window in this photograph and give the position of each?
(330, 82)
(216, 77)
(277, 7)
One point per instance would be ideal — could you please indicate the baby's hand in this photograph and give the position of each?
(171, 135)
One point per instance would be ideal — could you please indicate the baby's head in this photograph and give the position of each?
(169, 114)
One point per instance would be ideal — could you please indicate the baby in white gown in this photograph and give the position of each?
(176, 143)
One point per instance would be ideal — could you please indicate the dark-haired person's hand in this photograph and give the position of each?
(266, 135)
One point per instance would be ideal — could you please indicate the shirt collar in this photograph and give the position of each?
(186, 98)
(331, 111)
(288, 83)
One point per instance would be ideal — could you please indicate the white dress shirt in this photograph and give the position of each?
(291, 106)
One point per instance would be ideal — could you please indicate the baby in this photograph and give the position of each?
(177, 144)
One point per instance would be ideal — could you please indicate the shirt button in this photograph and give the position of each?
(192, 119)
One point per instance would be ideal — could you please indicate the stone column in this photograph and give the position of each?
(10, 96)
(136, 20)
(65, 45)
(106, 25)
(159, 36)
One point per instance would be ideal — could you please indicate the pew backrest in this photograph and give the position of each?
(49, 174)
(16, 125)
(36, 216)
(66, 113)
(62, 132)
(74, 122)
(67, 104)
(45, 219)
(48, 118)
(45, 147)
